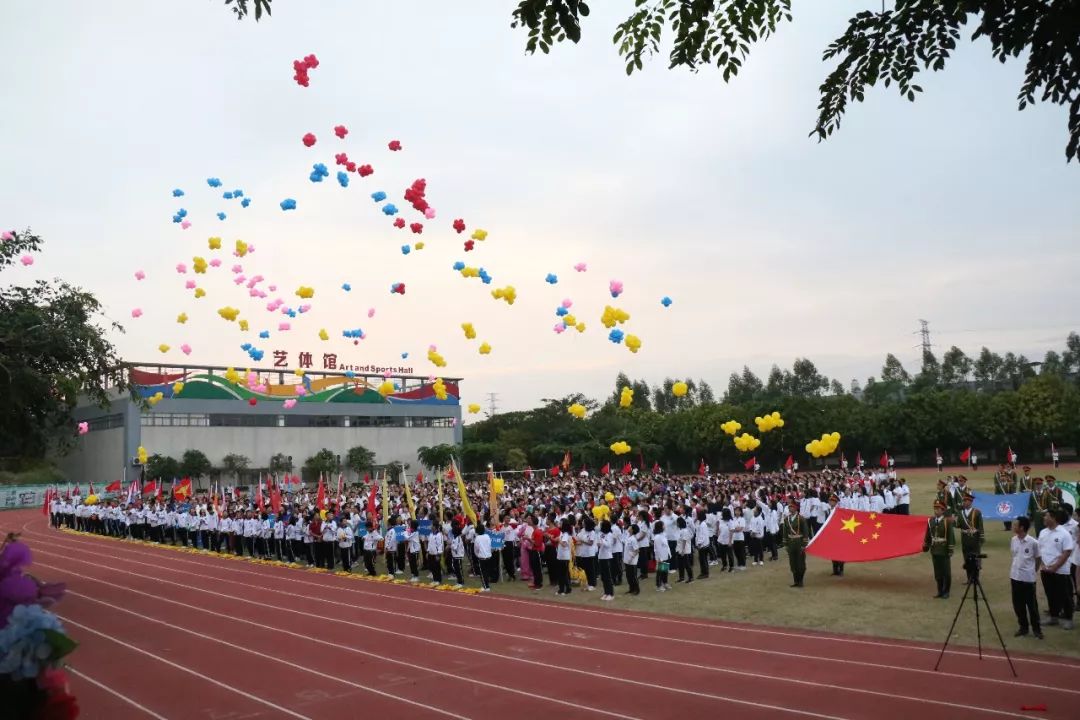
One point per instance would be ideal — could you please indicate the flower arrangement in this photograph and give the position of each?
(33, 643)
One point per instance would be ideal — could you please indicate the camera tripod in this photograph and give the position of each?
(972, 565)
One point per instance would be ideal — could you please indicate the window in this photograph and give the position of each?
(442, 422)
(154, 419)
(321, 421)
(109, 422)
(243, 420)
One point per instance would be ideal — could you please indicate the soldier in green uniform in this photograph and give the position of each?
(1004, 484)
(1056, 498)
(837, 566)
(794, 534)
(939, 542)
(1024, 481)
(943, 492)
(1038, 504)
(970, 524)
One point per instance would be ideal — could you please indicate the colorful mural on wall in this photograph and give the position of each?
(332, 389)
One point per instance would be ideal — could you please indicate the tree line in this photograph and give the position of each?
(989, 402)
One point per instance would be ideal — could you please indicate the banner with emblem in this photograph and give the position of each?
(1002, 507)
(1070, 493)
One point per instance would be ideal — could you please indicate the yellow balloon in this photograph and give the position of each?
(609, 496)
(679, 389)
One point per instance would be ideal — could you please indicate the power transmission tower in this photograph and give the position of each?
(493, 405)
(924, 332)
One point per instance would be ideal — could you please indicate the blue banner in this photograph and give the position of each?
(1002, 507)
(496, 541)
(424, 527)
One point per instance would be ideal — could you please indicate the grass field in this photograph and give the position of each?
(890, 598)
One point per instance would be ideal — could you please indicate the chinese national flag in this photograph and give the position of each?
(183, 490)
(749, 464)
(701, 467)
(371, 504)
(555, 471)
(966, 455)
(113, 487)
(854, 536)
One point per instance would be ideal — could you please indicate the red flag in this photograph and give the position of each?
(76, 490)
(966, 455)
(701, 467)
(275, 500)
(420, 476)
(48, 501)
(150, 488)
(320, 497)
(554, 471)
(371, 504)
(183, 490)
(655, 468)
(566, 460)
(628, 469)
(790, 462)
(91, 491)
(157, 490)
(528, 473)
(1010, 456)
(749, 464)
(884, 461)
(854, 536)
(259, 501)
(113, 487)
(606, 470)
(858, 459)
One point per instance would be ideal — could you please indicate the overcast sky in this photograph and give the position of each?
(957, 208)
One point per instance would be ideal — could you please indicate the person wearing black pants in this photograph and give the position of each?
(534, 543)
(663, 556)
(371, 547)
(738, 539)
(562, 557)
(1057, 585)
(1024, 550)
(704, 545)
(509, 552)
(630, 558)
(644, 543)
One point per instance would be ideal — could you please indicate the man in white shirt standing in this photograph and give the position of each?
(1055, 551)
(1025, 560)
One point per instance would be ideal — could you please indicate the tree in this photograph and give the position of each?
(987, 367)
(836, 388)
(929, 375)
(240, 8)
(1071, 357)
(51, 350)
(439, 456)
(955, 366)
(235, 465)
(743, 388)
(516, 459)
(162, 467)
(359, 459)
(280, 464)
(805, 380)
(324, 462)
(194, 464)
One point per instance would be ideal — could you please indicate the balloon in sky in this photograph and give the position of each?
(581, 267)
(679, 389)
(665, 301)
(551, 279)
(577, 410)
(308, 139)
(288, 204)
(341, 131)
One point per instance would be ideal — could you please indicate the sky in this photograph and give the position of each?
(956, 209)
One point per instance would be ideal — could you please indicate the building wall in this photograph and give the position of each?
(260, 443)
(98, 457)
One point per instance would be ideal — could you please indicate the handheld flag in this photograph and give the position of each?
(466, 507)
(884, 460)
(854, 536)
(566, 461)
(113, 487)
(790, 462)
(655, 468)
(91, 490)
(439, 476)
(371, 504)
(149, 488)
(1002, 507)
(606, 470)
(701, 467)
(320, 497)
(48, 501)
(340, 491)
(627, 469)
(858, 459)
(966, 455)
(408, 495)
(259, 501)
(749, 464)
(183, 490)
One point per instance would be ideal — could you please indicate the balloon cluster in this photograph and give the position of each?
(436, 359)
(746, 442)
(386, 388)
(577, 410)
(620, 447)
(731, 427)
(626, 397)
(769, 422)
(633, 343)
(470, 331)
(474, 408)
(616, 288)
(485, 349)
(301, 68)
(229, 313)
(508, 293)
(601, 512)
(141, 455)
(826, 445)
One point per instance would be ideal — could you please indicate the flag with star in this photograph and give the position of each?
(854, 536)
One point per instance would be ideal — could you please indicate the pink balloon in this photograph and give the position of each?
(371, 312)
(186, 349)
(237, 268)
(190, 284)
(430, 213)
(26, 260)
(387, 374)
(301, 390)
(559, 328)
(239, 279)
(185, 225)
(305, 308)
(140, 275)
(137, 312)
(253, 293)
(272, 288)
(283, 326)
(84, 428)
(581, 267)
(289, 404)
(216, 262)
(181, 268)
(567, 303)
(6, 235)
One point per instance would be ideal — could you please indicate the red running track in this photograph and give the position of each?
(176, 635)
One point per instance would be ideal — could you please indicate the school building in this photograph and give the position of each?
(218, 411)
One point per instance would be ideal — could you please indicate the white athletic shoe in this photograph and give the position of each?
(458, 586)
(414, 579)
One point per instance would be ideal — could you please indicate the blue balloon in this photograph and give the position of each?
(459, 266)
(404, 356)
(343, 178)
(390, 209)
(257, 355)
(238, 193)
(182, 212)
(227, 195)
(291, 313)
(176, 218)
(264, 334)
(350, 374)
(245, 347)
(288, 204)
(221, 216)
(552, 278)
(300, 310)
(245, 202)
(561, 311)
(315, 176)
(346, 287)
(378, 196)
(178, 193)
(405, 249)
(616, 336)
(213, 182)
(666, 301)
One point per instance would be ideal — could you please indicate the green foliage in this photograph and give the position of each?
(323, 462)
(194, 464)
(51, 350)
(359, 459)
(280, 463)
(241, 7)
(162, 467)
(438, 456)
(235, 465)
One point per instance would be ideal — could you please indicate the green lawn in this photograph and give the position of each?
(891, 598)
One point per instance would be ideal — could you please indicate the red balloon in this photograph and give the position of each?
(395, 145)
(417, 228)
(309, 139)
(469, 245)
(459, 225)
(341, 131)
(252, 401)
(364, 170)
(399, 223)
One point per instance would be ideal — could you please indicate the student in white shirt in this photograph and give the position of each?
(435, 546)
(345, 541)
(662, 553)
(616, 554)
(457, 553)
(1025, 560)
(605, 541)
(371, 547)
(703, 543)
(723, 541)
(390, 546)
(482, 548)
(738, 538)
(630, 560)
(1055, 550)
(562, 557)
(756, 525)
(412, 549)
(329, 543)
(586, 552)
(684, 549)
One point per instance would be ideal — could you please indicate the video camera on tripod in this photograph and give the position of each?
(973, 563)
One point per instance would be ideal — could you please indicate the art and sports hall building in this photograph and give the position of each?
(214, 409)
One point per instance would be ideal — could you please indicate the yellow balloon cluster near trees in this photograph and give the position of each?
(609, 496)
(746, 443)
(141, 455)
(626, 397)
(826, 445)
(620, 447)
(731, 427)
(577, 410)
(679, 389)
(387, 388)
(769, 422)
(474, 408)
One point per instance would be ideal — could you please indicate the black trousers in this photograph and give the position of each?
(534, 567)
(435, 566)
(369, 562)
(837, 568)
(455, 567)
(757, 549)
(549, 559)
(562, 570)
(413, 569)
(588, 564)
(616, 567)
(632, 579)
(685, 564)
(1059, 594)
(509, 553)
(727, 557)
(605, 576)
(484, 566)
(703, 561)
(1025, 605)
(772, 545)
(644, 556)
(740, 552)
